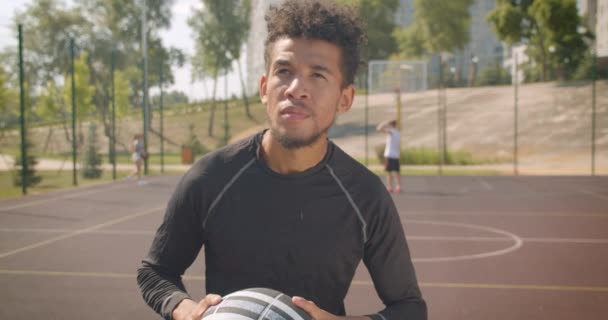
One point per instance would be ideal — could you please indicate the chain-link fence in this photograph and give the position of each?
(484, 118)
(492, 114)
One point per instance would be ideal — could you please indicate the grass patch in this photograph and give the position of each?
(428, 156)
(446, 171)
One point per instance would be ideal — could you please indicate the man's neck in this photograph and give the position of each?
(290, 161)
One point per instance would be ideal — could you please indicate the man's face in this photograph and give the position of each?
(303, 90)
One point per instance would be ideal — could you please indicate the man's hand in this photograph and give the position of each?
(190, 310)
(319, 314)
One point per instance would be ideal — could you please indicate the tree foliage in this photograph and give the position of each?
(439, 26)
(548, 27)
(379, 19)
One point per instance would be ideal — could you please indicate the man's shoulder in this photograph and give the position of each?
(345, 165)
(226, 159)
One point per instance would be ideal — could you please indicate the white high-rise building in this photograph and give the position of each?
(601, 30)
(255, 44)
(483, 45)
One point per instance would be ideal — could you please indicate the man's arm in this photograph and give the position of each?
(389, 263)
(383, 126)
(175, 246)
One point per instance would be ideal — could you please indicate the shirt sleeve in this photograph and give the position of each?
(388, 261)
(175, 247)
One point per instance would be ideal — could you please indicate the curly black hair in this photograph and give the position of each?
(322, 20)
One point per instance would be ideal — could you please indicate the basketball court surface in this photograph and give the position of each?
(483, 247)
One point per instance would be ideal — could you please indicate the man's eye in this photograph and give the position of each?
(318, 75)
(283, 71)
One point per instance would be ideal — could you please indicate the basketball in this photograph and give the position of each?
(254, 304)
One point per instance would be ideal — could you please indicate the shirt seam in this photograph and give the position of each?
(226, 187)
(352, 202)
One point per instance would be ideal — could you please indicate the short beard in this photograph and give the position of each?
(295, 143)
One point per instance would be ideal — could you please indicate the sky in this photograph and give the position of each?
(178, 36)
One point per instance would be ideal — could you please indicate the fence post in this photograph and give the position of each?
(113, 137)
(74, 175)
(22, 116)
(162, 134)
(515, 116)
(367, 80)
(593, 111)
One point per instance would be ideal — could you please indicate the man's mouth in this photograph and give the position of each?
(293, 113)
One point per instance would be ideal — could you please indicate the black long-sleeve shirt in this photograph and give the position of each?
(302, 234)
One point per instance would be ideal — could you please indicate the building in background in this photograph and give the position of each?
(601, 32)
(595, 16)
(484, 49)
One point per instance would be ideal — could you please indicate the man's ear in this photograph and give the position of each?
(346, 99)
(263, 85)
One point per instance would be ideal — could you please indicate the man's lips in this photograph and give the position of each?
(294, 113)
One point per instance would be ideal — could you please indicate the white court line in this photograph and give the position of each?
(42, 230)
(409, 238)
(515, 214)
(504, 239)
(444, 285)
(595, 194)
(112, 184)
(82, 274)
(517, 241)
(79, 232)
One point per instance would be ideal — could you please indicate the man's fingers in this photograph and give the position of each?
(208, 301)
(307, 306)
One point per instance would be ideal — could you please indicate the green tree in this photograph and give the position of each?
(31, 178)
(439, 26)
(8, 106)
(122, 91)
(91, 159)
(379, 18)
(545, 26)
(83, 90)
(211, 50)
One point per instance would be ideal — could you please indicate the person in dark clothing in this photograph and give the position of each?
(287, 209)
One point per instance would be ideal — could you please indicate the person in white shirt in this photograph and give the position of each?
(392, 154)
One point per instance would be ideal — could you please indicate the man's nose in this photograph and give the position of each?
(297, 89)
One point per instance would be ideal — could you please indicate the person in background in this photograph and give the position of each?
(392, 155)
(138, 154)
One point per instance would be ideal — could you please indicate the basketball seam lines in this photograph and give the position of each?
(381, 316)
(230, 183)
(352, 202)
(263, 314)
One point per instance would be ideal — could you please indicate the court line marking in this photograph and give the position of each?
(81, 231)
(595, 194)
(485, 184)
(43, 230)
(445, 285)
(409, 238)
(517, 242)
(63, 197)
(515, 214)
(113, 186)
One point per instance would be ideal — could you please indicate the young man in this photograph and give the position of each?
(392, 154)
(286, 208)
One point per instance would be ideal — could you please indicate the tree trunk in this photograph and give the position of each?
(245, 99)
(212, 110)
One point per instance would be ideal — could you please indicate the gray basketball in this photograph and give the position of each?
(256, 304)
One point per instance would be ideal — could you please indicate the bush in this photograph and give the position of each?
(31, 179)
(91, 160)
(194, 143)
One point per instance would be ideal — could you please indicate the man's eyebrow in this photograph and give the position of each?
(281, 63)
(322, 68)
